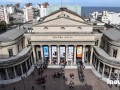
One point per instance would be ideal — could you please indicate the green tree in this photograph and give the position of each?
(3, 26)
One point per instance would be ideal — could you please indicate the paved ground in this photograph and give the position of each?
(91, 82)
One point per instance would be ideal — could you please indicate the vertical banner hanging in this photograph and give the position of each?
(54, 51)
(79, 51)
(62, 51)
(70, 53)
(46, 51)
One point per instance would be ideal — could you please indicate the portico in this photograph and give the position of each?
(62, 51)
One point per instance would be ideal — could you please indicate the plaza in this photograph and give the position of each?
(91, 81)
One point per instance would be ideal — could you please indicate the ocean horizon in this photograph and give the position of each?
(87, 10)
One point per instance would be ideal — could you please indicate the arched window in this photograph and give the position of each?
(79, 27)
(62, 27)
(45, 27)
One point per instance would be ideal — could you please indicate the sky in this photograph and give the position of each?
(98, 3)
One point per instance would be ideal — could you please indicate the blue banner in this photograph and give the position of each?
(46, 51)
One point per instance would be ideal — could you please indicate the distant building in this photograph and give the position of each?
(52, 8)
(28, 12)
(42, 9)
(107, 17)
(17, 6)
(10, 9)
(4, 16)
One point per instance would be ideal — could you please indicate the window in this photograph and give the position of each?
(79, 27)
(39, 54)
(96, 43)
(10, 51)
(18, 47)
(45, 27)
(62, 27)
(68, 16)
(114, 53)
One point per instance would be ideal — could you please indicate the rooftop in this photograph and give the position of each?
(11, 35)
(112, 34)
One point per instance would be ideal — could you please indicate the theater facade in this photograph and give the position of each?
(62, 36)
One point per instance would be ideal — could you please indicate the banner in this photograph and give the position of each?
(54, 51)
(62, 51)
(46, 51)
(79, 51)
(70, 53)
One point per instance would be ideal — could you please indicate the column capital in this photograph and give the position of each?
(92, 46)
(50, 45)
(58, 45)
(66, 45)
(75, 45)
(84, 45)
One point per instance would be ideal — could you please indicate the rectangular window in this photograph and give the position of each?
(96, 43)
(39, 54)
(18, 47)
(114, 53)
(10, 51)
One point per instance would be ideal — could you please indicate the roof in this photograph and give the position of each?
(105, 56)
(65, 18)
(64, 9)
(112, 34)
(11, 35)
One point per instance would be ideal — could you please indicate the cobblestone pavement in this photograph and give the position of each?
(91, 82)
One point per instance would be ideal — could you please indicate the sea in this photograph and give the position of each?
(85, 11)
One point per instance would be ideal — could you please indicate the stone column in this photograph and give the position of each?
(66, 54)
(34, 54)
(14, 72)
(118, 77)
(83, 54)
(96, 62)
(99, 42)
(6, 72)
(26, 65)
(21, 69)
(41, 48)
(75, 54)
(110, 72)
(98, 66)
(31, 59)
(58, 54)
(50, 57)
(91, 54)
(103, 69)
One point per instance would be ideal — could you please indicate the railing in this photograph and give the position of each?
(107, 60)
(15, 60)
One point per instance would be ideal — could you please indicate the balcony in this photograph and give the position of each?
(104, 57)
(23, 55)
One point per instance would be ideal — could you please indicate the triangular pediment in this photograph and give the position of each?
(62, 21)
(65, 13)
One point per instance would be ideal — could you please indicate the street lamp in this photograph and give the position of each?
(23, 77)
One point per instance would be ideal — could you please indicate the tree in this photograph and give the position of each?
(3, 26)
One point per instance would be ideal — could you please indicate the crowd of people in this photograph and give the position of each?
(71, 83)
(41, 80)
(80, 71)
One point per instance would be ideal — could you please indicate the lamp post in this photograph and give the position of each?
(23, 77)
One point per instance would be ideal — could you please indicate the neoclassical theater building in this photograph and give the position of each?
(62, 36)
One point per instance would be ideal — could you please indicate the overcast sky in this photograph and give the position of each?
(107, 3)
